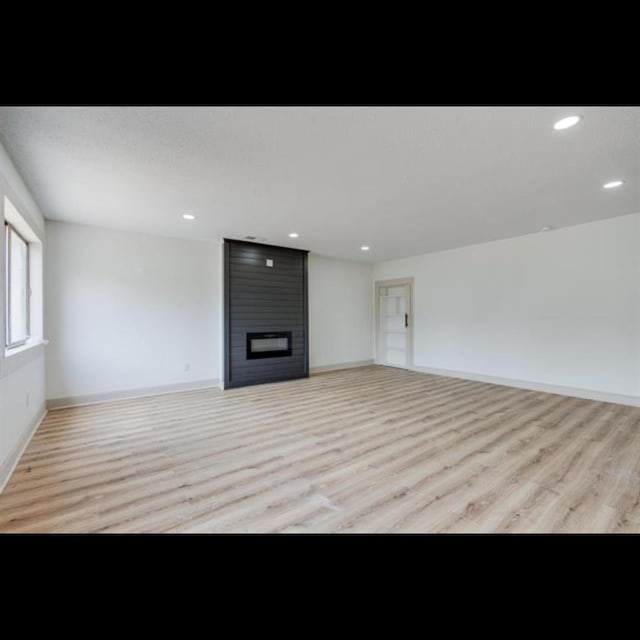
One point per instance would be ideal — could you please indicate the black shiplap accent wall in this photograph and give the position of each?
(258, 298)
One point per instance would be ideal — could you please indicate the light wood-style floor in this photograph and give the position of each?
(373, 449)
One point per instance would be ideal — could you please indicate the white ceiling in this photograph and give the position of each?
(404, 180)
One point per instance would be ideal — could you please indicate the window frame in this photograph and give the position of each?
(8, 229)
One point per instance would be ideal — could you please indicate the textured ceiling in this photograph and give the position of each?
(404, 180)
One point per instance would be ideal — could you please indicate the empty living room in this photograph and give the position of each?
(320, 319)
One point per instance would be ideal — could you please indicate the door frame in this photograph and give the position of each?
(392, 283)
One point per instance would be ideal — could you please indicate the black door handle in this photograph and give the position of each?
(406, 320)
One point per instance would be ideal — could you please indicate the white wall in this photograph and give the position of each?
(561, 308)
(22, 405)
(340, 303)
(127, 311)
(22, 401)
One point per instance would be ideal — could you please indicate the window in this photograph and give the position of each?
(23, 275)
(17, 288)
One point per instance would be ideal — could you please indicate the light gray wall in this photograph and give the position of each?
(561, 307)
(340, 321)
(128, 310)
(22, 399)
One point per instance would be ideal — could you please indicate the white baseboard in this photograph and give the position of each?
(7, 467)
(112, 396)
(587, 394)
(337, 367)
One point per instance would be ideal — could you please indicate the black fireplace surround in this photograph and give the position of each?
(265, 314)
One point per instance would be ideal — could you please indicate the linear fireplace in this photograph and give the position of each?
(268, 345)
(265, 314)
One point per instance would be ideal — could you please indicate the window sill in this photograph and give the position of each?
(30, 344)
(18, 357)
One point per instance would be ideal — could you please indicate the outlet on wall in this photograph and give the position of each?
(187, 366)
(28, 399)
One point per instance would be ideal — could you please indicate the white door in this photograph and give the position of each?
(394, 316)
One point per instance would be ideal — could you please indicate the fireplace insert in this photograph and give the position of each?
(272, 344)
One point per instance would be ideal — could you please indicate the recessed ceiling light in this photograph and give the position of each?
(364, 248)
(293, 235)
(565, 123)
(188, 216)
(546, 228)
(613, 184)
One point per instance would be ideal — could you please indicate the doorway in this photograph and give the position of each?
(394, 323)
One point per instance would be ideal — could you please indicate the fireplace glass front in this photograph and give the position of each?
(268, 345)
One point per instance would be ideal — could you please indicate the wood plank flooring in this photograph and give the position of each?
(372, 449)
